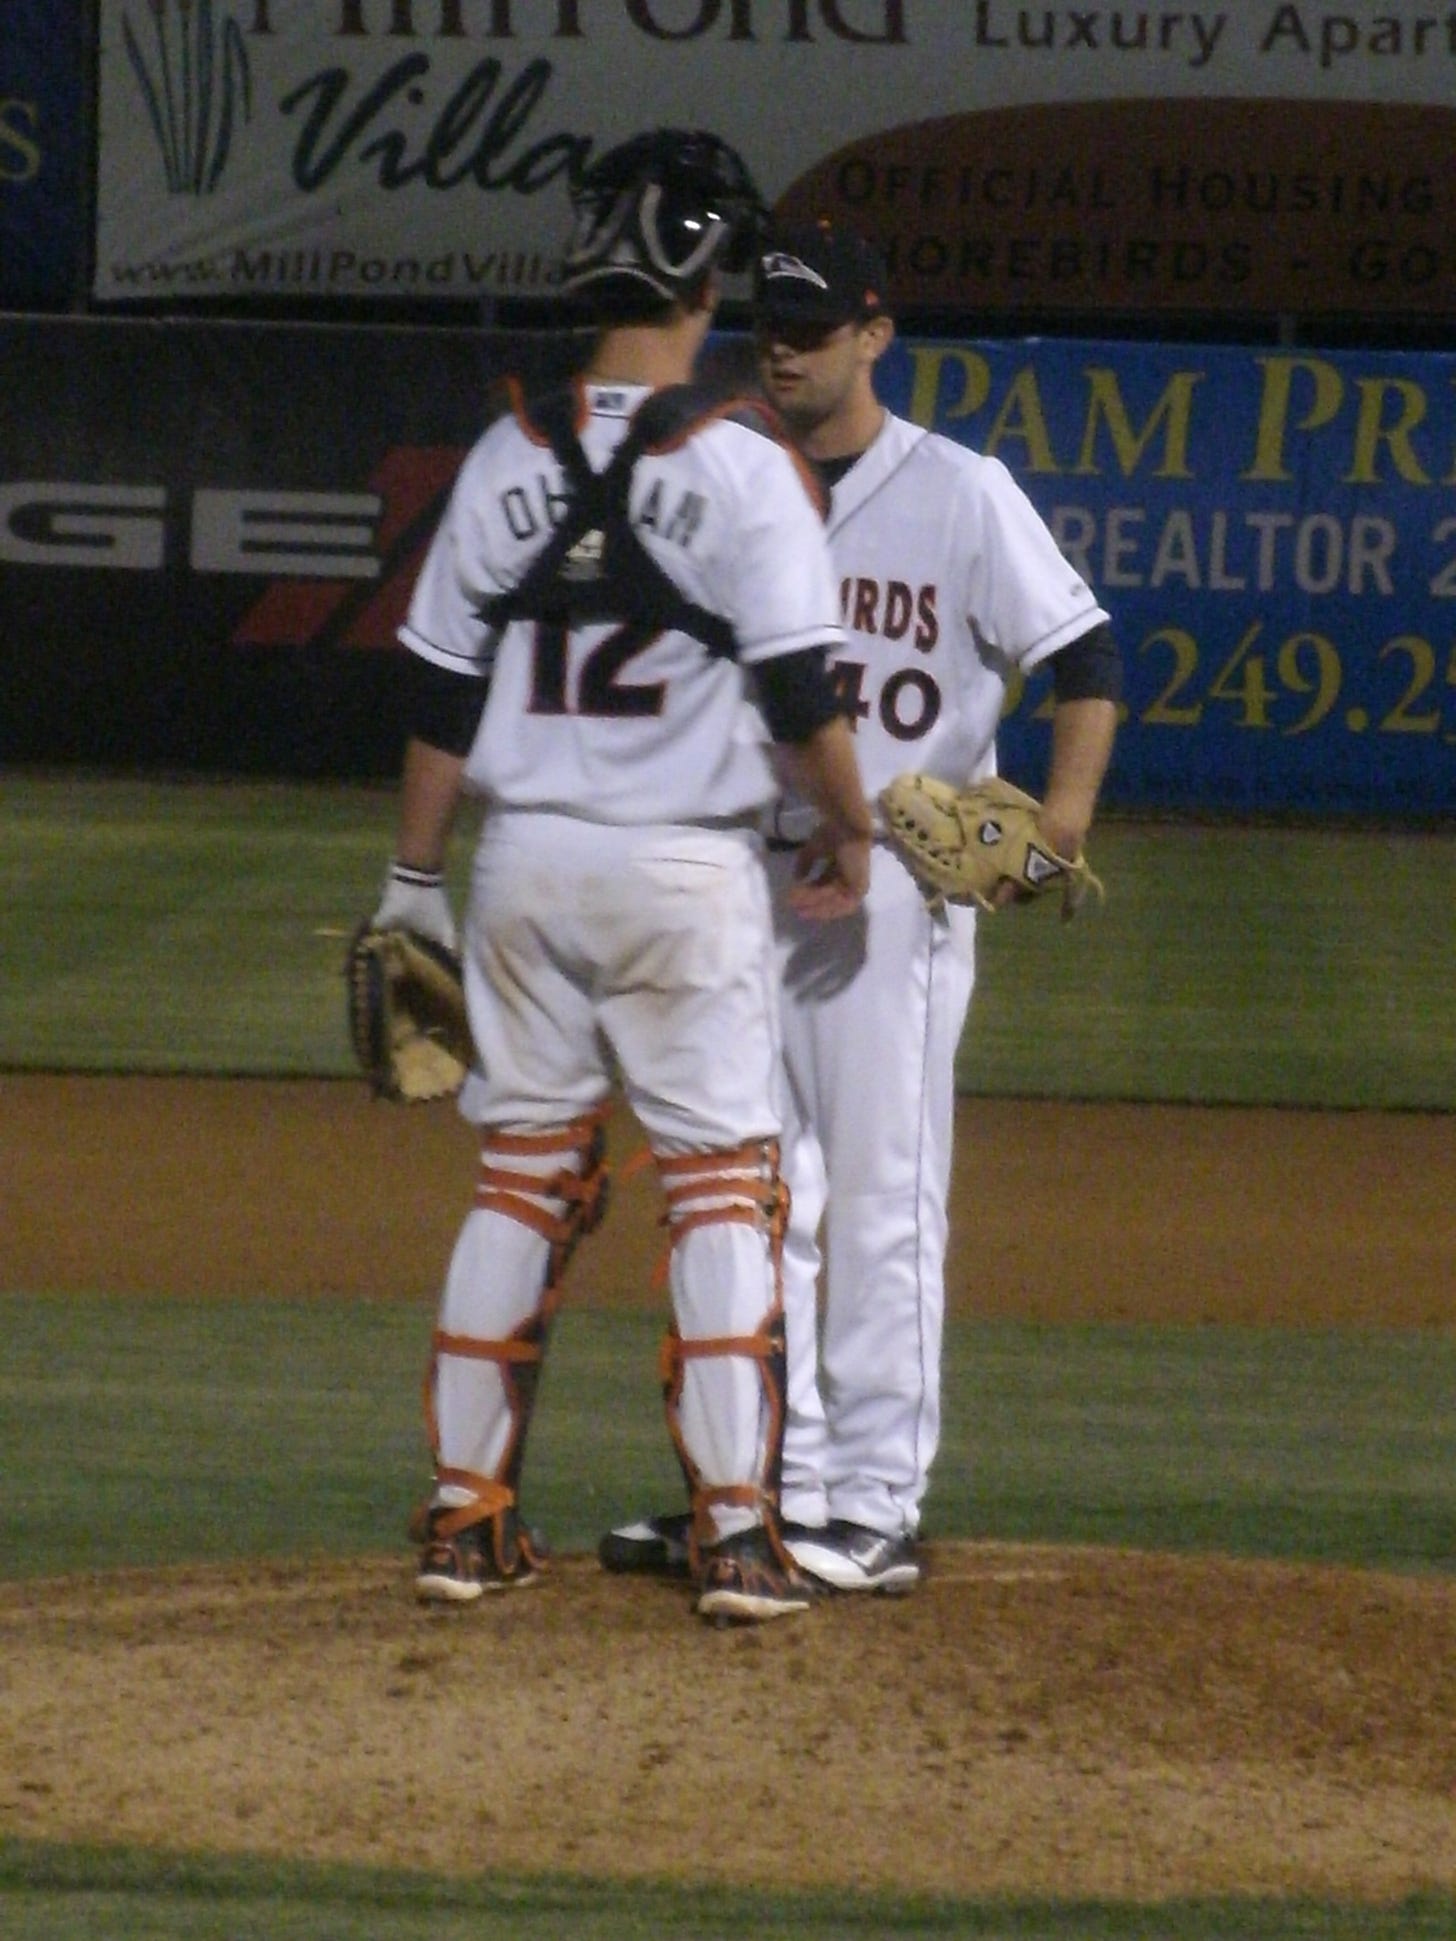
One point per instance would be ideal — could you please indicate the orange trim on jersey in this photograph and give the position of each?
(808, 474)
(772, 427)
(581, 417)
(707, 416)
(516, 394)
(812, 483)
(743, 410)
(583, 405)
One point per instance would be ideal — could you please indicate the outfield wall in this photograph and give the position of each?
(1274, 534)
(208, 532)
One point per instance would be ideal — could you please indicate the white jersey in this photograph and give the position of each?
(610, 722)
(950, 582)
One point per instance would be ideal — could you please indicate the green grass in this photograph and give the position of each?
(153, 926)
(124, 1425)
(1331, 1444)
(172, 926)
(56, 1893)
(1231, 965)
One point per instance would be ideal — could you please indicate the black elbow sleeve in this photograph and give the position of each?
(441, 707)
(1089, 668)
(797, 694)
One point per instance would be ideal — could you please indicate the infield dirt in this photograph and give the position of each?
(1032, 1721)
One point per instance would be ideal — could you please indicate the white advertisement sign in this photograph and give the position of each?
(1258, 156)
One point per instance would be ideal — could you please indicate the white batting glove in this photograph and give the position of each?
(415, 899)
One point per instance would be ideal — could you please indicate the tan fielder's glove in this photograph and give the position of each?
(962, 844)
(406, 1013)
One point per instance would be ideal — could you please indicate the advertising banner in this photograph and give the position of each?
(1274, 535)
(1276, 158)
(41, 143)
(209, 533)
(212, 577)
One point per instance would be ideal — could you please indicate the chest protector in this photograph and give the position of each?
(594, 568)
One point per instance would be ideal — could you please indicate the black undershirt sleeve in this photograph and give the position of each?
(1088, 668)
(796, 693)
(442, 707)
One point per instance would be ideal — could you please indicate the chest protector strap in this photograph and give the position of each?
(594, 568)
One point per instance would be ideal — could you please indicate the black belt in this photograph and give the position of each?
(780, 845)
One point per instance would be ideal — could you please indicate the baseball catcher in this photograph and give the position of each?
(962, 845)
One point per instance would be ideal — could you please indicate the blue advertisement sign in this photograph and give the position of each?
(41, 133)
(1273, 532)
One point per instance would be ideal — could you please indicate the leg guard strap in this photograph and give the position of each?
(553, 1182)
(579, 1192)
(511, 1544)
(736, 1186)
(675, 1350)
(516, 1348)
(762, 1496)
(488, 1500)
(515, 1356)
(742, 1184)
(501, 1190)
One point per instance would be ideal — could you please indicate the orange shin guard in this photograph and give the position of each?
(738, 1186)
(562, 1204)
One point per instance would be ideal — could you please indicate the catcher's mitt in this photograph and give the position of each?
(406, 1007)
(962, 844)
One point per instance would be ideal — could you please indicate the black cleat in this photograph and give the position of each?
(849, 1557)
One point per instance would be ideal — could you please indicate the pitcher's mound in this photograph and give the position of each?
(1032, 1721)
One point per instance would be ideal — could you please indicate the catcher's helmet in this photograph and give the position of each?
(660, 211)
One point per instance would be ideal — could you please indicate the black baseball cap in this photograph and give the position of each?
(818, 273)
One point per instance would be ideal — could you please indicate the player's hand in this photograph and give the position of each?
(1062, 837)
(831, 875)
(415, 899)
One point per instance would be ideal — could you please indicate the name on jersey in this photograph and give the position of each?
(890, 608)
(533, 510)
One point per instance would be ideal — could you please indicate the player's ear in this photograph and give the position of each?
(876, 335)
